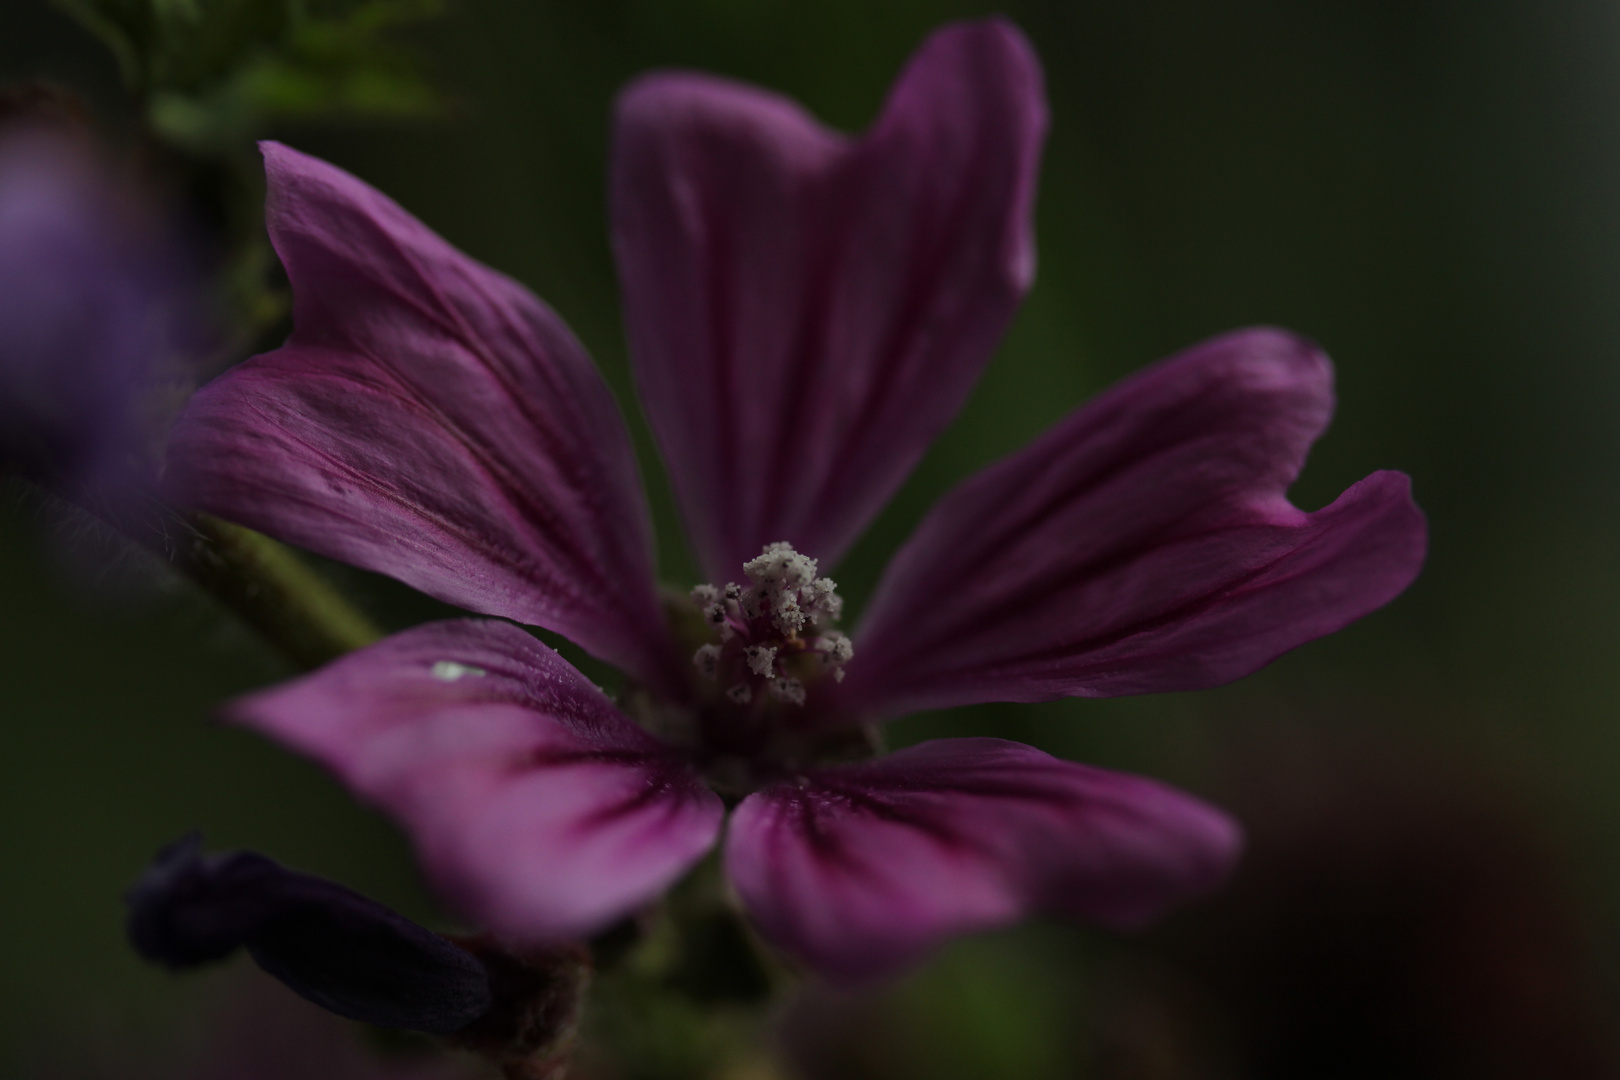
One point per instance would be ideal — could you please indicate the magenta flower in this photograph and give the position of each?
(806, 312)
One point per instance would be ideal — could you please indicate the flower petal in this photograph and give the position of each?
(1144, 544)
(806, 312)
(429, 419)
(536, 806)
(859, 870)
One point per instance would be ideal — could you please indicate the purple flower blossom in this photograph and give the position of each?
(806, 312)
(87, 305)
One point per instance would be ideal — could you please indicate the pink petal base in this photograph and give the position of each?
(537, 807)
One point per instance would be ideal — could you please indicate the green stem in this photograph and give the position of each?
(261, 581)
(270, 588)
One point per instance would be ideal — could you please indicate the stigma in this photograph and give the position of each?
(774, 635)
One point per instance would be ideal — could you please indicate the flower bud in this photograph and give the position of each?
(332, 946)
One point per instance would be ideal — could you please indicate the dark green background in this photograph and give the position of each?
(1430, 189)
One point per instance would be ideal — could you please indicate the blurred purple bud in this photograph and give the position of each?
(332, 946)
(91, 308)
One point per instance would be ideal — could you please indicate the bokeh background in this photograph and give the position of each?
(1430, 188)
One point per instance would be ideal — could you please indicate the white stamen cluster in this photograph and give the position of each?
(761, 658)
(764, 627)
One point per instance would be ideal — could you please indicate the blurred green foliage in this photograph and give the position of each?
(214, 72)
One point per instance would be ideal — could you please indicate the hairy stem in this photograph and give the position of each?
(270, 588)
(261, 581)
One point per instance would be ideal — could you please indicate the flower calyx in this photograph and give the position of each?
(539, 998)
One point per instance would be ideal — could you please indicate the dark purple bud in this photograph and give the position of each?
(327, 943)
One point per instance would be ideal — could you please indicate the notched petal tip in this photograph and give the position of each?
(659, 105)
(329, 944)
(806, 311)
(1144, 544)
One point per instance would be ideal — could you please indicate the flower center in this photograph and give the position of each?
(774, 634)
